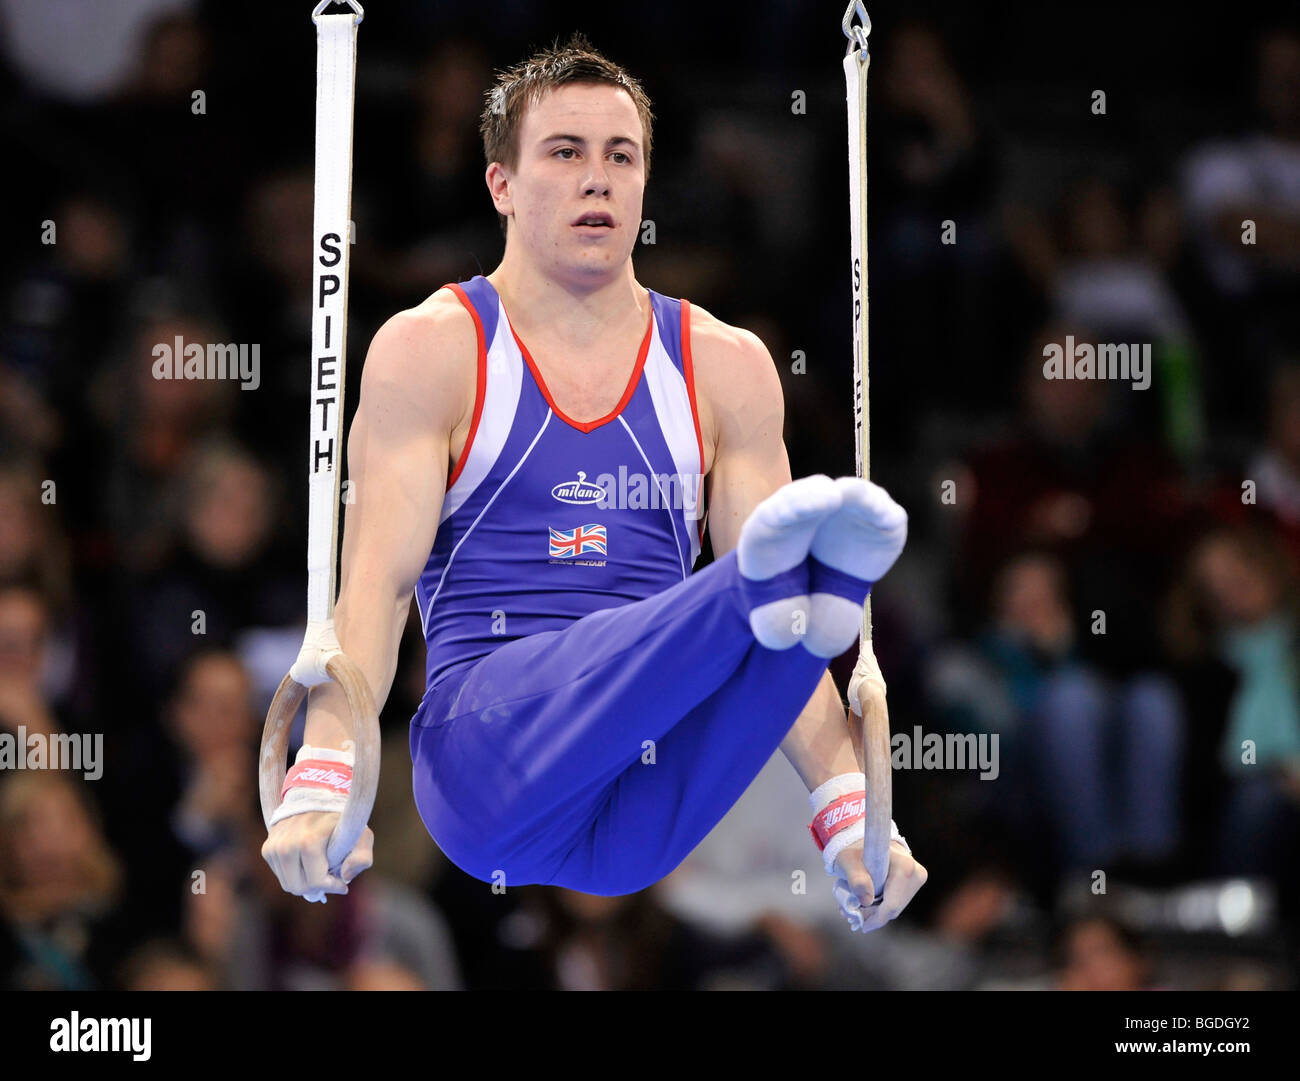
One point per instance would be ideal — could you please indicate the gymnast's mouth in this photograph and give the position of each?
(596, 219)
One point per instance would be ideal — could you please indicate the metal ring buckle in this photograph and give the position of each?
(857, 34)
(315, 14)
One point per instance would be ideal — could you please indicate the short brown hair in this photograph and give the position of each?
(525, 84)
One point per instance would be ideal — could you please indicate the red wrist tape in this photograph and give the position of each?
(318, 773)
(838, 815)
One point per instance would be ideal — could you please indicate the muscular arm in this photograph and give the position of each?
(750, 462)
(398, 450)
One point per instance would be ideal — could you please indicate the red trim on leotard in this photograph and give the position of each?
(480, 382)
(590, 425)
(688, 368)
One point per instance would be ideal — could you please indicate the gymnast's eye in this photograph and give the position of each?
(626, 157)
(565, 150)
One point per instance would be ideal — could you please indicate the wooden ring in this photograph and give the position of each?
(879, 775)
(364, 719)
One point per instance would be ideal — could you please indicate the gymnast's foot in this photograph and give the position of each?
(772, 556)
(851, 550)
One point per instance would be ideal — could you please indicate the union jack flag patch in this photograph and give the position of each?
(580, 541)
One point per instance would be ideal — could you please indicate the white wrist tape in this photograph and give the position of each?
(840, 790)
(302, 798)
(827, 793)
(842, 785)
(319, 645)
(866, 669)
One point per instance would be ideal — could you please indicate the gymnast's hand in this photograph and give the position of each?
(295, 851)
(854, 889)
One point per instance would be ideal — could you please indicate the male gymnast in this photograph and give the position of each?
(593, 708)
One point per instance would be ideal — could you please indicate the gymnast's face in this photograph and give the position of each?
(581, 152)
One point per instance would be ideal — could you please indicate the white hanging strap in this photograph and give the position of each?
(877, 823)
(336, 61)
(336, 54)
(856, 61)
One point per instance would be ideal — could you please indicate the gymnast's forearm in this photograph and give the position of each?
(820, 745)
(369, 630)
(401, 426)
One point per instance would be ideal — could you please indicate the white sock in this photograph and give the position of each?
(862, 539)
(774, 542)
(833, 625)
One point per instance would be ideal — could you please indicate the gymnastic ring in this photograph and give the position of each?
(364, 735)
(879, 778)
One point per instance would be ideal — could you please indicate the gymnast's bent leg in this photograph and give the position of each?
(540, 731)
(532, 763)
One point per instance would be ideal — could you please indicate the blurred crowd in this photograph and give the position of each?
(1107, 579)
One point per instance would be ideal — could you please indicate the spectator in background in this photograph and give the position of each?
(76, 52)
(383, 974)
(1100, 954)
(1091, 953)
(62, 311)
(28, 423)
(164, 965)
(426, 202)
(1241, 608)
(1103, 759)
(379, 935)
(212, 721)
(172, 61)
(1242, 199)
(754, 880)
(631, 943)
(1101, 260)
(270, 284)
(1109, 274)
(223, 569)
(206, 928)
(33, 549)
(266, 285)
(24, 651)
(59, 887)
(1274, 467)
(35, 556)
(1253, 177)
(1105, 266)
(1109, 504)
(173, 119)
(182, 794)
(742, 881)
(150, 426)
(180, 788)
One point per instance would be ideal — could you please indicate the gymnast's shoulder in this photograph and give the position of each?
(734, 372)
(427, 350)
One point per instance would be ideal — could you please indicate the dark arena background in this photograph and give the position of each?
(1100, 587)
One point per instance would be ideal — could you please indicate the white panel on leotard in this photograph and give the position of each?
(672, 405)
(505, 375)
(424, 619)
